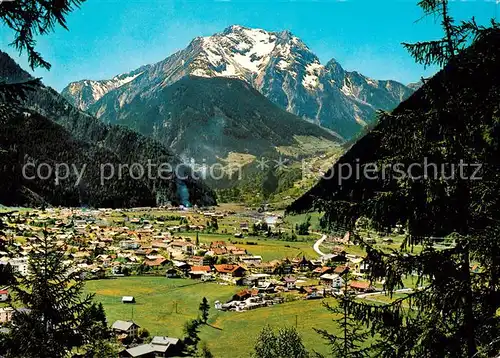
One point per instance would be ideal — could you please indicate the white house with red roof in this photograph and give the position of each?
(4, 295)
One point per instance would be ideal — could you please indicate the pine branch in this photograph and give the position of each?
(428, 53)
(30, 18)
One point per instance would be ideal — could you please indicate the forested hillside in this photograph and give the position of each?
(465, 127)
(206, 118)
(28, 137)
(450, 207)
(123, 145)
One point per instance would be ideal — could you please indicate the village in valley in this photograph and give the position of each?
(150, 268)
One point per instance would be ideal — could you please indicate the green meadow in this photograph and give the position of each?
(164, 305)
(269, 249)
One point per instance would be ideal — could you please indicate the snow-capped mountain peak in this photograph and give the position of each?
(277, 64)
(245, 53)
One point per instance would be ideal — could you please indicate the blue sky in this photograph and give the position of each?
(108, 37)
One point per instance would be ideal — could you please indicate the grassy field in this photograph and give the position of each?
(292, 220)
(267, 248)
(162, 305)
(272, 250)
(233, 334)
(383, 299)
(6, 209)
(229, 334)
(309, 145)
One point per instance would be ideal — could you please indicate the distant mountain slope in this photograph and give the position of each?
(28, 137)
(463, 128)
(277, 64)
(207, 118)
(415, 85)
(120, 145)
(85, 93)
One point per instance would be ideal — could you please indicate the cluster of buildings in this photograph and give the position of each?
(263, 289)
(104, 243)
(159, 346)
(107, 242)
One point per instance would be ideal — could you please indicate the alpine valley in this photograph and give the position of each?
(248, 196)
(231, 98)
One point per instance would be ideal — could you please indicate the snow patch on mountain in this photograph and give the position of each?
(371, 82)
(347, 90)
(311, 78)
(283, 65)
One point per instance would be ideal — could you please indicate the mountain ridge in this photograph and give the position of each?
(207, 118)
(277, 64)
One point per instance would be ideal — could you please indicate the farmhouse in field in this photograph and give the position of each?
(182, 247)
(251, 260)
(6, 314)
(159, 347)
(142, 351)
(229, 272)
(129, 245)
(128, 299)
(289, 282)
(341, 270)
(157, 262)
(318, 271)
(199, 271)
(361, 286)
(125, 329)
(244, 294)
(332, 280)
(4, 295)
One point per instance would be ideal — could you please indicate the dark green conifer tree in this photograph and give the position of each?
(191, 338)
(283, 344)
(350, 341)
(204, 310)
(205, 351)
(452, 312)
(56, 317)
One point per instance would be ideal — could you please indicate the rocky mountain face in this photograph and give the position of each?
(85, 93)
(43, 127)
(278, 64)
(415, 85)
